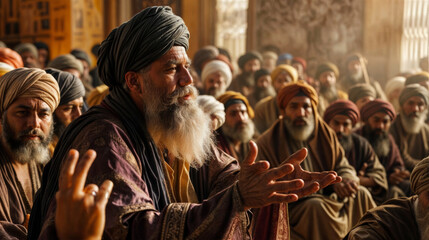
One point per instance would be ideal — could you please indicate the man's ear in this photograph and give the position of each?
(133, 83)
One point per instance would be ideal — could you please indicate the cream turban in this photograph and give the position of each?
(213, 107)
(31, 83)
(393, 84)
(420, 177)
(217, 66)
(4, 68)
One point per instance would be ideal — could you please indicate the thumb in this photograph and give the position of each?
(251, 156)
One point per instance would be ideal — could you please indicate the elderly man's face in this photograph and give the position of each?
(68, 112)
(215, 84)
(299, 117)
(379, 122)
(27, 128)
(327, 79)
(413, 106)
(263, 81)
(29, 59)
(341, 124)
(281, 80)
(354, 66)
(252, 65)
(238, 126)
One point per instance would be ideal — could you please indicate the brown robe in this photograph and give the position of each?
(413, 147)
(14, 204)
(320, 215)
(394, 220)
(225, 145)
(266, 113)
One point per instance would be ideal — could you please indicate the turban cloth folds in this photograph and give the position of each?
(420, 177)
(290, 90)
(31, 83)
(291, 71)
(393, 84)
(71, 87)
(247, 57)
(11, 58)
(361, 90)
(27, 47)
(417, 78)
(413, 90)
(66, 61)
(137, 43)
(217, 66)
(213, 107)
(378, 105)
(231, 95)
(342, 107)
(326, 66)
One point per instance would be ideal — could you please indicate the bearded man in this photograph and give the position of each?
(342, 116)
(328, 214)
(409, 129)
(378, 116)
(402, 218)
(234, 135)
(28, 99)
(216, 78)
(361, 93)
(155, 144)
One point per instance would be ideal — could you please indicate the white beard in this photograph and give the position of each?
(413, 125)
(301, 133)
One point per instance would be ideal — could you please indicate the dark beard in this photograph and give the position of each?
(346, 141)
(27, 151)
(59, 127)
(330, 93)
(379, 140)
(260, 93)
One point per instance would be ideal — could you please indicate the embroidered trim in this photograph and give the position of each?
(173, 226)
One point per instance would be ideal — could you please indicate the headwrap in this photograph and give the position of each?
(393, 84)
(361, 90)
(419, 177)
(326, 66)
(212, 107)
(270, 55)
(27, 47)
(217, 66)
(414, 90)
(81, 55)
(4, 68)
(31, 83)
(288, 69)
(224, 59)
(417, 78)
(71, 87)
(342, 107)
(97, 95)
(284, 58)
(202, 56)
(242, 60)
(290, 90)
(300, 61)
(378, 105)
(139, 42)
(261, 72)
(229, 96)
(11, 57)
(66, 61)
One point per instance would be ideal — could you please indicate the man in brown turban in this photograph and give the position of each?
(409, 129)
(377, 117)
(342, 116)
(28, 98)
(330, 213)
(155, 144)
(362, 93)
(234, 135)
(402, 218)
(267, 110)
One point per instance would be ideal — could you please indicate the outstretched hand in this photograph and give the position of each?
(80, 212)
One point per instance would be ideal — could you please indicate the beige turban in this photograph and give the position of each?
(420, 177)
(31, 83)
(66, 61)
(213, 107)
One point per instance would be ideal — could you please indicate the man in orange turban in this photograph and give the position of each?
(11, 57)
(330, 213)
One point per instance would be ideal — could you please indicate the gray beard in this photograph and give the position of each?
(261, 93)
(379, 141)
(244, 134)
(216, 92)
(180, 127)
(330, 93)
(356, 77)
(413, 125)
(422, 218)
(300, 133)
(26, 151)
(346, 141)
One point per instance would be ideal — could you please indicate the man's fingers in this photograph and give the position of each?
(327, 180)
(297, 157)
(283, 198)
(279, 172)
(82, 169)
(104, 194)
(287, 186)
(251, 156)
(307, 190)
(68, 169)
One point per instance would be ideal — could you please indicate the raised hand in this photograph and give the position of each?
(80, 212)
(346, 188)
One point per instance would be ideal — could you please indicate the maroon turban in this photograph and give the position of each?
(376, 106)
(342, 107)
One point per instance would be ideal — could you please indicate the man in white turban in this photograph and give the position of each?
(216, 77)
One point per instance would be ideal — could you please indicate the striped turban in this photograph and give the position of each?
(378, 105)
(230, 97)
(420, 177)
(413, 90)
(137, 43)
(342, 107)
(361, 90)
(291, 71)
(71, 87)
(213, 107)
(29, 83)
(291, 90)
(11, 58)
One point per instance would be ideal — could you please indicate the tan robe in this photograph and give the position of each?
(321, 215)
(266, 113)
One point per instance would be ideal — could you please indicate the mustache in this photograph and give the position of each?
(176, 95)
(306, 120)
(34, 131)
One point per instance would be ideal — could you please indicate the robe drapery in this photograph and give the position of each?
(413, 147)
(361, 153)
(14, 204)
(266, 113)
(139, 206)
(394, 220)
(320, 215)
(226, 146)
